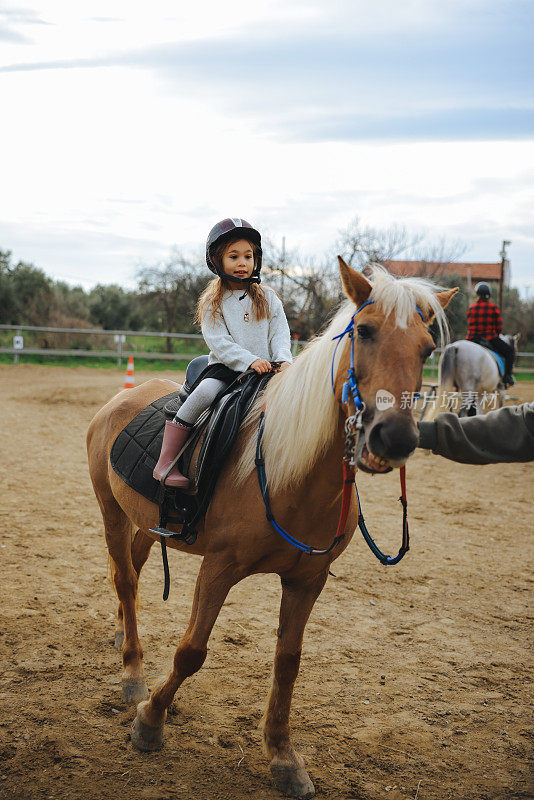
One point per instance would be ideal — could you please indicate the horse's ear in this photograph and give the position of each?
(356, 287)
(443, 298)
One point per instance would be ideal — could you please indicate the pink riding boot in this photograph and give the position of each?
(174, 438)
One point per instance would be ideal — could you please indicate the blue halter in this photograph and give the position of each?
(350, 387)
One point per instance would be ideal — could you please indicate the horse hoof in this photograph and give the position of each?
(119, 639)
(292, 781)
(146, 738)
(134, 692)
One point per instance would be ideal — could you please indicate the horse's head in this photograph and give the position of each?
(391, 343)
(513, 341)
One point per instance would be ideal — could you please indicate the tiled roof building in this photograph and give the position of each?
(476, 271)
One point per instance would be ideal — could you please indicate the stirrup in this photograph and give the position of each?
(175, 516)
(187, 534)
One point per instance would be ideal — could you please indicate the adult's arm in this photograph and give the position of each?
(503, 435)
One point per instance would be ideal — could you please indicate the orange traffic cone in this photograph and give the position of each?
(129, 383)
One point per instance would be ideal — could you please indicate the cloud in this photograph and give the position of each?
(465, 76)
(11, 18)
(9, 35)
(105, 257)
(107, 19)
(464, 124)
(71, 63)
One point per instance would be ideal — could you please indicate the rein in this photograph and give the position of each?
(353, 427)
(262, 480)
(349, 479)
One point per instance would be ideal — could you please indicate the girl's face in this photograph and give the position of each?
(238, 260)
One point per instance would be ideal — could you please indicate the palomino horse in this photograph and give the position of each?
(303, 447)
(471, 370)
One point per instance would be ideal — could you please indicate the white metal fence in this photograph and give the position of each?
(18, 349)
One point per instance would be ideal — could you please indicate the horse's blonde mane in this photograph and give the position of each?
(302, 413)
(398, 296)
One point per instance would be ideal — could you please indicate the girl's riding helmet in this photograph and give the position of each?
(228, 229)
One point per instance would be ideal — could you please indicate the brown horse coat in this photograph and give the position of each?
(235, 538)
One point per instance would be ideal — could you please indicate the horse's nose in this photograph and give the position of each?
(393, 437)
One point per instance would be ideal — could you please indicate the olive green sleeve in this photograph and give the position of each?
(503, 435)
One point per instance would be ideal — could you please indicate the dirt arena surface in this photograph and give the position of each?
(415, 679)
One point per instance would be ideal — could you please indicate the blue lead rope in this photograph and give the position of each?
(387, 561)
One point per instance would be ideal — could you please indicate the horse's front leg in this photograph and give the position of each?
(287, 766)
(215, 579)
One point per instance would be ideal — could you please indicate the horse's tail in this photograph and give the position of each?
(447, 368)
(446, 382)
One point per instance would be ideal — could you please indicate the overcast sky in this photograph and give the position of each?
(128, 128)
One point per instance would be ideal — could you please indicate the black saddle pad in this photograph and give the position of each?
(136, 449)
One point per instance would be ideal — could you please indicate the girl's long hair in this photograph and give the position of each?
(211, 298)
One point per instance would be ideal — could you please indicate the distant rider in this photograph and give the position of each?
(485, 323)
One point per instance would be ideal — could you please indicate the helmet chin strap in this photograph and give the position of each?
(242, 281)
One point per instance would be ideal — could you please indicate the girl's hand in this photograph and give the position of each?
(261, 365)
(284, 365)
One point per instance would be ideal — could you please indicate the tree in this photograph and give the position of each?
(518, 317)
(8, 304)
(310, 288)
(113, 308)
(32, 293)
(169, 292)
(70, 301)
(360, 246)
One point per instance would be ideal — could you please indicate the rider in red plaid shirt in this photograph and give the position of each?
(485, 323)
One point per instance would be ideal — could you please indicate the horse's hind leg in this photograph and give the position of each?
(118, 531)
(140, 551)
(214, 581)
(287, 766)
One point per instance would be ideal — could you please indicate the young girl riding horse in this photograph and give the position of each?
(243, 324)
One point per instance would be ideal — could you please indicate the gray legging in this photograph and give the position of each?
(199, 400)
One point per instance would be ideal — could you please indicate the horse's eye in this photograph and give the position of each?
(427, 352)
(365, 332)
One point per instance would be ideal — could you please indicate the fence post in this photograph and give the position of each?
(16, 344)
(119, 338)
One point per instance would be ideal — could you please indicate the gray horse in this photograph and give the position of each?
(471, 370)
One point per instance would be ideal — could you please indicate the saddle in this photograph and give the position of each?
(136, 449)
(499, 360)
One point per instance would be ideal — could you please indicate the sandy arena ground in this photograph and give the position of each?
(414, 679)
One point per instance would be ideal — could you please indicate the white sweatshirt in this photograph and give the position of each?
(237, 339)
